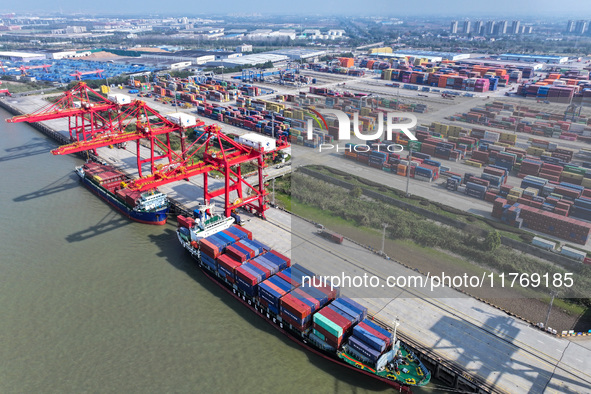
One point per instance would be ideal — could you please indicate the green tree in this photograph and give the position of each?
(356, 192)
(492, 240)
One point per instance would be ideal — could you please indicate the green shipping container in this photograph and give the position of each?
(328, 325)
(415, 145)
(319, 335)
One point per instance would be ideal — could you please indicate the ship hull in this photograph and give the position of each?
(158, 217)
(284, 329)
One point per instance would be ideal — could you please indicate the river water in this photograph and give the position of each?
(91, 302)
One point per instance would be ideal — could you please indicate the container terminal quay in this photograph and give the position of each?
(468, 344)
(504, 354)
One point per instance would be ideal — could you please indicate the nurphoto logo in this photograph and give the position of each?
(344, 134)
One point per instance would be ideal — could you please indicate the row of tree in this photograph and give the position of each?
(486, 252)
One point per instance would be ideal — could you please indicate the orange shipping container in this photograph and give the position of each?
(347, 62)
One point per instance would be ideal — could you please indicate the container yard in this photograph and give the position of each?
(68, 70)
(526, 174)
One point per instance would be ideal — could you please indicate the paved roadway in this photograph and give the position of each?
(501, 349)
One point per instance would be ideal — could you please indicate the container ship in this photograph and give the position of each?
(317, 317)
(150, 207)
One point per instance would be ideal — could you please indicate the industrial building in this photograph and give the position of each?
(248, 60)
(21, 56)
(65, 54)
(158, 64)
(195, 57)
(534, 58)
(502, 63)
(433, 56)
(300, 53)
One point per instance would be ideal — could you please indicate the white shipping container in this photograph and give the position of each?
(574, 253)
(182, 119)
(542, 243)
(119, 98)
(577, 127)
(491, 136)
(497, 148)
(257, 141)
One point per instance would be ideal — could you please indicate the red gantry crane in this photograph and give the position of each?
(25, 68)
(78, 74)
(108, 123)
(88, 112)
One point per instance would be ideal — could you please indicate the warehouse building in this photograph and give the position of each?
(534, 58)
(249, 60)
(502, 63)
(195, 57)
(300, 54)
(432, 55)
(21, 56)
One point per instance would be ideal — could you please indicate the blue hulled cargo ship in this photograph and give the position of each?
(150, 207)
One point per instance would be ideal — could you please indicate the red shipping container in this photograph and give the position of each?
(237, 254)
(295, 324)
(329, 338)
(299, 293)
(185, 222)
(296, 306)
(209, 249)
(289, 280)
(246, 276)
(337, 319)
(228, 263)
(489, 197)
(248, 233)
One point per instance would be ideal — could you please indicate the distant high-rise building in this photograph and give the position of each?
(490, 28)
(515, 27)
(581, 27)
(467, 27)
(501, 28)
(528, 29)
(477, 27)
(570, 26)
(454, 27)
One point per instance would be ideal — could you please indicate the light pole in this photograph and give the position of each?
(408, 168)
(554, 294)
(384, 237)
(273, 192)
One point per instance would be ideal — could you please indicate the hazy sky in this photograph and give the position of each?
(508, 8)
